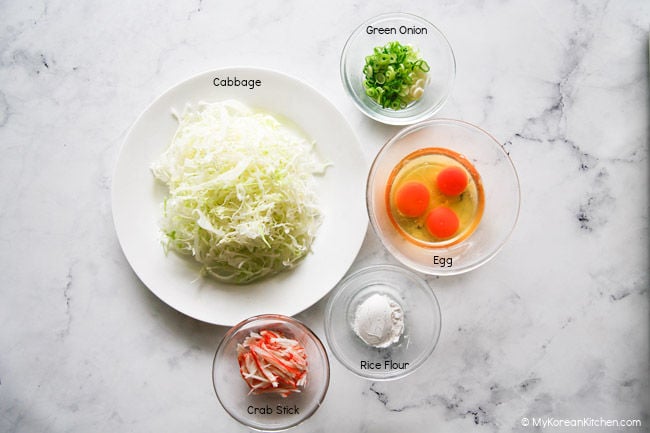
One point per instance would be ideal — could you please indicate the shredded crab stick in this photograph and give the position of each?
(270, 362)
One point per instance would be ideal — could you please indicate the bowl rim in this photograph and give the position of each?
(415, 127)
(383, 267)
(280, 319)
(384, 116)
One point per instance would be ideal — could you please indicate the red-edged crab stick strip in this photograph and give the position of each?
(270, 362)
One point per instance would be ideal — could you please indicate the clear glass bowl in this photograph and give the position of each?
(501, 196)
(251, 410)
(433, 47)
(422, 322)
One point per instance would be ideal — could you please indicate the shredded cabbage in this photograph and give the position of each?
(241, 192)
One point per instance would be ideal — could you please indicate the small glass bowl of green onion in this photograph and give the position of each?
(398, 68)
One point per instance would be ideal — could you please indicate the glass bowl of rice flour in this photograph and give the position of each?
(382, 322)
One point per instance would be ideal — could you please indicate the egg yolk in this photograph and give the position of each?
(412, 199)
(442, 222)
(452, 181)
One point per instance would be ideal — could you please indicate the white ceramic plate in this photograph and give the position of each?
(174, 279)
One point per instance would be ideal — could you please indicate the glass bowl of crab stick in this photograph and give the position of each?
(270, 372)
(443, 196)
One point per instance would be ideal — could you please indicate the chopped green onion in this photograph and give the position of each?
(392, 73)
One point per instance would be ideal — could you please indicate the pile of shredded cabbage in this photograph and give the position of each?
(241, 192)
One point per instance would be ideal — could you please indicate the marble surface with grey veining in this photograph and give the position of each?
(555, 327)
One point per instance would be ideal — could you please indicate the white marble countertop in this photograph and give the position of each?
(554, 328)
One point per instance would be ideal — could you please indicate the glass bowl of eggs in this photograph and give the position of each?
(443, 196)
